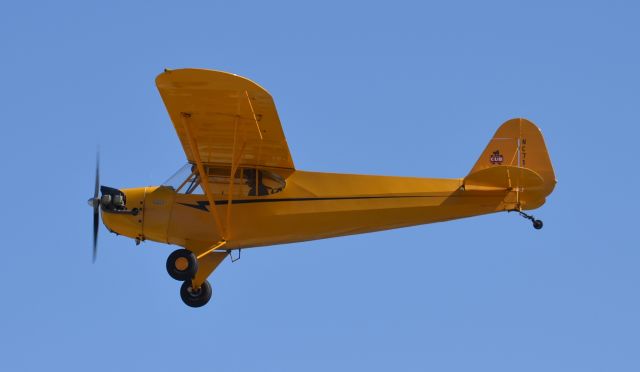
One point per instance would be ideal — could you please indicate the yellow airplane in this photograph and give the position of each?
(253, 196)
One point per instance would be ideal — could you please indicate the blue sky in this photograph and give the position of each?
(401, 88)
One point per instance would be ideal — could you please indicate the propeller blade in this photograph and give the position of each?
(96, 223)
(96, 209)
(97, 188)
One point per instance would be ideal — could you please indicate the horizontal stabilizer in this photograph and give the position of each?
(505, 177)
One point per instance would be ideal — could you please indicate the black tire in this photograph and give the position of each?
(185, 274)
(537, 224)
(196, 298)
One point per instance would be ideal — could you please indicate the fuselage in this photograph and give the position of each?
(312, 206)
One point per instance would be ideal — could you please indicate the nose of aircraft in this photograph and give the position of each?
(123, 210)
(140, 213)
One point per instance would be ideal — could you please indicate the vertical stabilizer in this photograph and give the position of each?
(518, 151)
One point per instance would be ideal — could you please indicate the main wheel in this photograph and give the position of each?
(195, 297)
(537, 224)
(182, 265)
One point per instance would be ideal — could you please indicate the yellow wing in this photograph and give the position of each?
(232, 119)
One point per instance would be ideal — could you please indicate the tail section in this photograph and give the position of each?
(516, 158)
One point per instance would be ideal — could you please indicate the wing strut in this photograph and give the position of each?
(204, 179)
(206, 265)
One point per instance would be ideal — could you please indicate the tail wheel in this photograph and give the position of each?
(195, 297)
(537, 224)
(182, 265)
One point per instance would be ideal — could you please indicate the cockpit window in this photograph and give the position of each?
(176, 180)
(246, 181)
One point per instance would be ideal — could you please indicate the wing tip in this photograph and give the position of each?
(168, 77)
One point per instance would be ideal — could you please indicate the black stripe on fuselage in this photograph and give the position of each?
(203, 204)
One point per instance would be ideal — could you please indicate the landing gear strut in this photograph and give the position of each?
(537, 224)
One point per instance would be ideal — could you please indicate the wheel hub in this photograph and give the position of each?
(182, 263)
(194, 292)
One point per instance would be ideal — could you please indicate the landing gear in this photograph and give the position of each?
(193, 270)
(537, 224)
(182, 265)
(195, 297)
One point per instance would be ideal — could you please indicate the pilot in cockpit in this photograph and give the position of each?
(256, 186)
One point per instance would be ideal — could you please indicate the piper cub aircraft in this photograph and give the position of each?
(240, 189)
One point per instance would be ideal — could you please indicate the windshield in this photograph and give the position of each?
(179, 176)
(246, 181)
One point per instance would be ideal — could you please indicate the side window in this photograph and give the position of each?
(262, 182)
(246, 181)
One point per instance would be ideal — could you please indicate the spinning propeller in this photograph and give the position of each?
(95, 203)
(111, 201)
